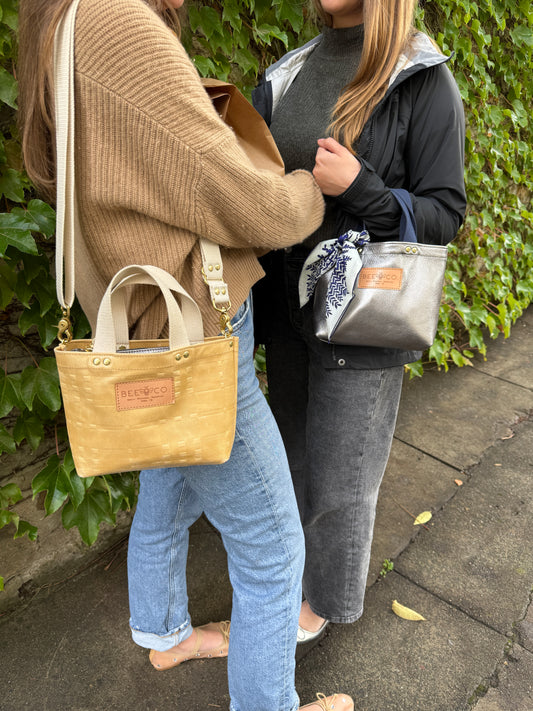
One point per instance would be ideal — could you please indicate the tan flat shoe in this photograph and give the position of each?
(337, 702)
(173, 657)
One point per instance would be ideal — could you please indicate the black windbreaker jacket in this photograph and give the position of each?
(413, 140)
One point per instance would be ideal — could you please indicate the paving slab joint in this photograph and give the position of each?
(494, 680)
(507, 658)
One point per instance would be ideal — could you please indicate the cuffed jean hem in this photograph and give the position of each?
(294, 708)
(162, 644)
(343, 620)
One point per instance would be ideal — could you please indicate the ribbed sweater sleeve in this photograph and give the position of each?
(167, 152)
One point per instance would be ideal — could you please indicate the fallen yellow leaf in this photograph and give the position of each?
(406, 612)
(424, 517)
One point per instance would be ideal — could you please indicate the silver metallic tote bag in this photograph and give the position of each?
(384, 294)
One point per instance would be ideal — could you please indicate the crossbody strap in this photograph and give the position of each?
(67, 225)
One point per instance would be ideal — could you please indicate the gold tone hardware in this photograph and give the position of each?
(123, 348)
(226, 329)
(231, 344)
(217, 267)
(107, 361)
(96, 361)
(210, 267)
(408, 249)
(64, 327)
(217, 291)
(178, 356)
(414, 250)
(186, 354)
(223, 292)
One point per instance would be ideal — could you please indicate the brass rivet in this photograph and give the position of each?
(178, 356)
(123, 348)
(415, 250)
(408, 249)
(217, 267)
(107, 361)
(224, 291)
(231, 344)
(186, 354)
(210, 267)
(217, 291)
(96, 361)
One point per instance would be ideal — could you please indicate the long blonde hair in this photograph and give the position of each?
(388, 27)
(38, 20)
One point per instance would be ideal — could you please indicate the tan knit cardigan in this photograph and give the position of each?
(156, 168)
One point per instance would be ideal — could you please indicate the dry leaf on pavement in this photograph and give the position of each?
(406, 612)
(424, 517)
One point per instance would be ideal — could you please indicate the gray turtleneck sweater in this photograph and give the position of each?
(304, 112)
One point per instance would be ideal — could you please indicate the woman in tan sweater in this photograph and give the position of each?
(156, 169)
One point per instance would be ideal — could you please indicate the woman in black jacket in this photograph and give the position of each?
(382, 93)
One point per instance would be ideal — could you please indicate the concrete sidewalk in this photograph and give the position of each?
(470, 574)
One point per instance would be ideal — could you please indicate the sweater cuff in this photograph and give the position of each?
(309, 191)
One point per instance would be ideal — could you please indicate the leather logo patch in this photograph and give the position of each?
(144, 393)
(376, 278)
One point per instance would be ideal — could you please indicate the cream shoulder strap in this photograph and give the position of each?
(67, 226)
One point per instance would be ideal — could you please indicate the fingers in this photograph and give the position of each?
(335, 167)
(332, 146)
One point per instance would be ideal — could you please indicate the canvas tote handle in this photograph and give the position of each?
(147, 274)
(67, 225)
(185, 325)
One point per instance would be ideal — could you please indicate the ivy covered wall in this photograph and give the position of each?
(488, 282)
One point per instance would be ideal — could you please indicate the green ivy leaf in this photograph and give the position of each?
(45, 291)
(46, 323)
(28, 427)
(10, 14)
(8, 88)
(267, 32)
(522, 35)
(78, 486)
(210, 22)
(121, 489)
(44, 217)
(204, 65)
(20, 239)
(55, 480)
(9, 392)
(7, 285)
(246, 61)
(9, 494)
(291, 11)
(35, 267)
(7, 517)
(26, 529)
(415, 369)
(12, 184)
(231, 13)
(23, 290)
(93, 511)
(17, 219)
(7, 443)
(41, 382)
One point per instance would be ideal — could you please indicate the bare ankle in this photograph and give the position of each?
(308, 619)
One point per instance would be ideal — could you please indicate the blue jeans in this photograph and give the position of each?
(250, 500)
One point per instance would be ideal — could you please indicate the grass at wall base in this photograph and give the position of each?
(488, 280)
